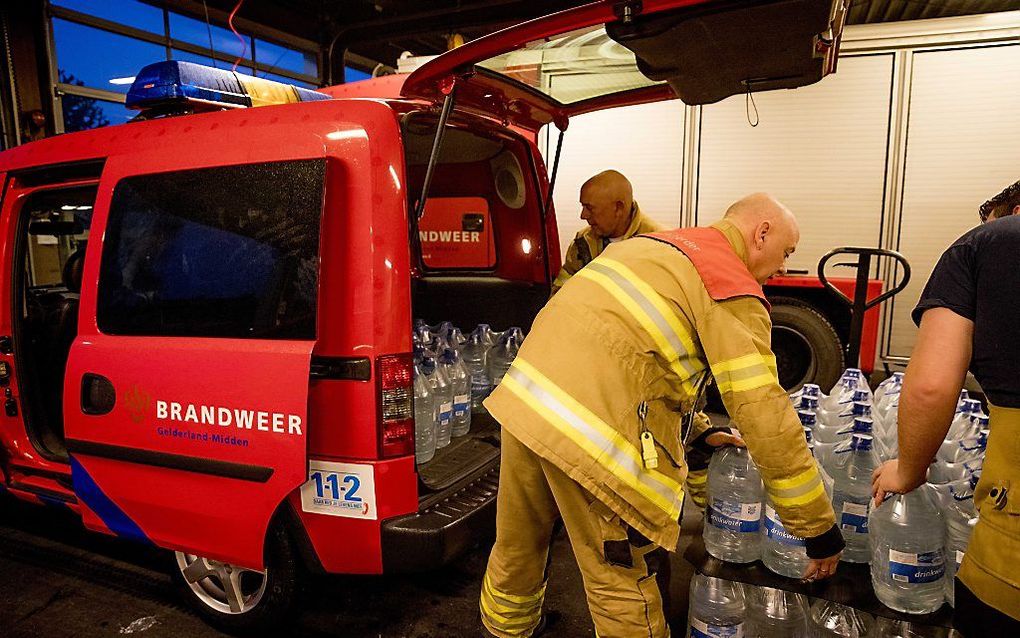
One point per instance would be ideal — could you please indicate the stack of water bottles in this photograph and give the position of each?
(452, 376)
(913, 542)
(721, 608)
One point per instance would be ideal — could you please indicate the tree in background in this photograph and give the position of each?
(80, 113)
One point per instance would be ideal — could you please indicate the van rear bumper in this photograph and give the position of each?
(450, 523)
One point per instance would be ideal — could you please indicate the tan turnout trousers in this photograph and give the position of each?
(621, 569)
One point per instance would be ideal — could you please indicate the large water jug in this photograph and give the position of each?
(963, 424)
(827, 619)
(503, 354)
(908, 562)
(782, 552)
(962, 450)
(961, 517)
(851, 496)
(887, 389)
(461, 382)
(842, 452)
(774, 613)
(444, 398)
(425, 417)
(716, 608)
(733, 516)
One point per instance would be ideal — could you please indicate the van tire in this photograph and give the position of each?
(806, 345)
(278, 598)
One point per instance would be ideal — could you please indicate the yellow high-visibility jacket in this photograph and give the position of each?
(587, 246)
(635, 327)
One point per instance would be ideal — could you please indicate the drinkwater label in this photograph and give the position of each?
(460, 405)
(854, 517)
(733, 516)
(775, 530)
(700, 629)
(445, 412)
(907, 567)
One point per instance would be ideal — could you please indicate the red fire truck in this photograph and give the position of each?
(208, 327)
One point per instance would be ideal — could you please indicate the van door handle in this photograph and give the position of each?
(97, 394)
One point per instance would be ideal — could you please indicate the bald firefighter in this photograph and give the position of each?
(597, 416)
(608, 206)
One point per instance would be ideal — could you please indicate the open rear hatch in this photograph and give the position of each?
(615, 53)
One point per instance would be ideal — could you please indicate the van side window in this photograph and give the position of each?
(217, 252)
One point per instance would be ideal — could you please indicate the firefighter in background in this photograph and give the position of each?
(592, 429)
(607, 204)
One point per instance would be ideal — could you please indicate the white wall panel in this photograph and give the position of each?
(963, 146)
(820, 149)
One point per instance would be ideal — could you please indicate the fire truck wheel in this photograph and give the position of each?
(806, 345)
(238, 600)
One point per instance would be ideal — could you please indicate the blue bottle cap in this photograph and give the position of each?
(807, 434)
(861, 442)
(808, 403)
(863, 425)
(862, 408)
(807, 417)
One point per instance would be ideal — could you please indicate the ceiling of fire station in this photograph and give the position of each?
(382, 29)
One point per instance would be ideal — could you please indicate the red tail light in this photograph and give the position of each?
(396, 404)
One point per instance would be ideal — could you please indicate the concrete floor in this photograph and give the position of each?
(59, 581)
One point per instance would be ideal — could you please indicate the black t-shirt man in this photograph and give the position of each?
(978, 278)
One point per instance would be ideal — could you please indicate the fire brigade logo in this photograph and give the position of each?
(137, 402)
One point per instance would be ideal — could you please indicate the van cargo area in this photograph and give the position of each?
(480, 252)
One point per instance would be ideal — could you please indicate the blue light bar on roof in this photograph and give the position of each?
(176, 82)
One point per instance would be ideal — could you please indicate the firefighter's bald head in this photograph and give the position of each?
(770, 233)
(607, 201)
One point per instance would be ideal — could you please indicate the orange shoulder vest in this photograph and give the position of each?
(725, 276)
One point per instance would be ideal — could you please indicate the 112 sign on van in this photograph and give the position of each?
(339, 489)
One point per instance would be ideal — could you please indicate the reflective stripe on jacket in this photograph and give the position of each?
(638, 326)
(587, 246)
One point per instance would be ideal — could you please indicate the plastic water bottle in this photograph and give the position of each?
(961, 517)
(485, 332)
(851, 497)
(908, 562)
(781, 551)
(474, 353)
(502, 355)
(890, 628)
(461, 382)
(827, 619)
(444, 399)
(425, 417)
(774, 613)
(716, 608)
(733, 516)
(963, 424)
(842, 452)
(964, 395)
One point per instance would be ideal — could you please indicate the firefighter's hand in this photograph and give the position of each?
(820, 568)
(719, 439)
(889, 479)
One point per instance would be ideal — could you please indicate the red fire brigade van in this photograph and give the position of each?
(207, 337)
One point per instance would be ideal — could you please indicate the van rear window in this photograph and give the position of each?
(217, 252)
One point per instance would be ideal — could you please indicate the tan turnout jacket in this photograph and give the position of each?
(587, 246)
(637, 325)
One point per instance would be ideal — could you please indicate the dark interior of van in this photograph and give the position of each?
(491, 173)
(49, 258)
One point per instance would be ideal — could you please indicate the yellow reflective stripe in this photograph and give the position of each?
(794, 482)
(581, 426)
(506, 618)
(524, 600)
(797, 490)
(746, 372)
(738, 363)
(697, 479)
(670, 353)
(793, 501)
(656, 300)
